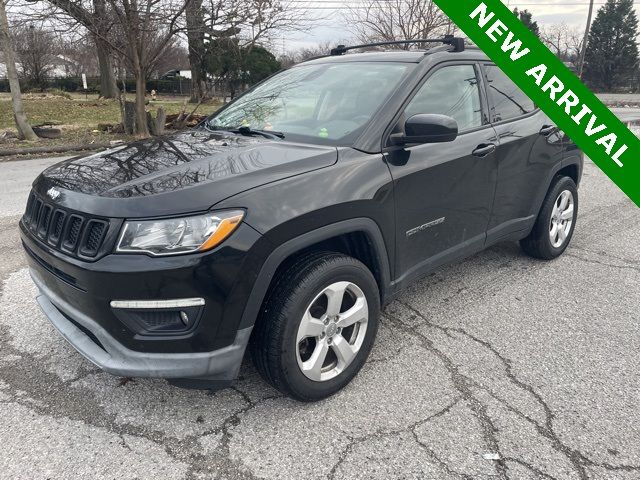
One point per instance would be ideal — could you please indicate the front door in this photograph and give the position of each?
(444, 192)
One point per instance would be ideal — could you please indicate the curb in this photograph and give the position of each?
(46, 150)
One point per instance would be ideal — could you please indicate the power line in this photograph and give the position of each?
(338, 5)
(316, 3)
(343, 8)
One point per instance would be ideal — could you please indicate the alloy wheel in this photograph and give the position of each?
(332, 331)
(561, 219)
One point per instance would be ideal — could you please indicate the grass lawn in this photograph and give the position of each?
(81, 113)
(79, 117)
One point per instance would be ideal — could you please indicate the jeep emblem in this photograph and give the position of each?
(53, 192)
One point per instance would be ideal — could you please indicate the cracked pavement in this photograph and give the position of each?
(498, 367)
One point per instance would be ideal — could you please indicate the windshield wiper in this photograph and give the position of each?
(246, 131)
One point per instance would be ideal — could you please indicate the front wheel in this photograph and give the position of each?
(556, 221)
(318, 326)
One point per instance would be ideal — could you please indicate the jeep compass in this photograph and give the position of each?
(282, 223)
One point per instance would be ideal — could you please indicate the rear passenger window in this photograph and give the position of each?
(507, 100)
(451, 91)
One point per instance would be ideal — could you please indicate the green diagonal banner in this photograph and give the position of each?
(553, 87)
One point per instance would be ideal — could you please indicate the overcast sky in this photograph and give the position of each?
(334, 28)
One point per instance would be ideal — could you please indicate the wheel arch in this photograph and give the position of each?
(570, 167)
(571, 170)
(359, 237)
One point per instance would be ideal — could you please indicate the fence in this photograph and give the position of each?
(173, 86)
(626, 84)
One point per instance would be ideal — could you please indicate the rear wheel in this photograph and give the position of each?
(556, 221)
(318, 326)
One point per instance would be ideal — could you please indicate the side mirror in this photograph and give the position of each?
(427, 128)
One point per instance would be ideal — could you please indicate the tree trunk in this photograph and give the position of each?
(195, 35)
(24, 129)
(156, 125)
(198, 86)
(142, 128)
(129, 117)
(108, 85)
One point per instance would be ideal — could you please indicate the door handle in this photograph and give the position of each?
(484, 149)
(547, 130)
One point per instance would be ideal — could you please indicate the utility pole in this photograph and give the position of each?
(585, 41)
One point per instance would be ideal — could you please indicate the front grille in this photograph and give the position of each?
(43, 221)
(93, 235)
(57, 224)
(70, 232)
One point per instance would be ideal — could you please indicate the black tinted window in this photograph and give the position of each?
(451, 91)
(507, 100)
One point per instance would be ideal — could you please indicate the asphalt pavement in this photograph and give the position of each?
(497, 367)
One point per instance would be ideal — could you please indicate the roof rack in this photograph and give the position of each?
(456, 42)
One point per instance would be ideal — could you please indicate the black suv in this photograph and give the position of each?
(285, 220)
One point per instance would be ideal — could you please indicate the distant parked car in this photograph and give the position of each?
(173, 74)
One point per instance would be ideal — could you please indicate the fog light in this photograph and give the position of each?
(159, 317)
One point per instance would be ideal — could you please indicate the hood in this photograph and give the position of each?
(185, 172)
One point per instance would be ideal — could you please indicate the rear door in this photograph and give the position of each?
(529, 146)
(444, 192)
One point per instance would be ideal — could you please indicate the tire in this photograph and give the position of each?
(296, 326)
(554, 221)
(52, 133)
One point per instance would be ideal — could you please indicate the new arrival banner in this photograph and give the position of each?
(555, 89)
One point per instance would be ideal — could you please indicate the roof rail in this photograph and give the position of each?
(456, 42)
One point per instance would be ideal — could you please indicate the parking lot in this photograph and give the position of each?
(498, 367)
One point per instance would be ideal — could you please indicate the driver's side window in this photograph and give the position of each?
(451, 91)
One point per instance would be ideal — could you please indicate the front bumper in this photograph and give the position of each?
(100, 348)
(76, 296)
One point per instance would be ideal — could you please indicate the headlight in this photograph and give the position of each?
(173, 236)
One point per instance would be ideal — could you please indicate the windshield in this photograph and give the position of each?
(326, 103)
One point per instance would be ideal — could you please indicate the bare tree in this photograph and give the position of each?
(148, 27)
(174, 57)
(80, 52)
(24, 128)
(555, 37)
(303, 54)
(564, 41)
(94, 17)
(244, 23)
(36, 49)
(308, 53)
(391, 20)
(259, 21)
(136, 31)
(575, 44)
